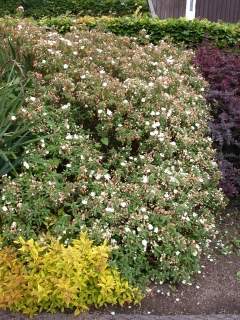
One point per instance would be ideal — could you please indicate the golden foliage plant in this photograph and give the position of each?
(53, 277)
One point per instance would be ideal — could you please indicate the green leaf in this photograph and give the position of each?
(105, 141)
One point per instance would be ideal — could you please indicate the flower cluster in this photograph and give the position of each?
(124, 154)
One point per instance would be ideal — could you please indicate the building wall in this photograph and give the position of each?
(170, 8)
(214, 10)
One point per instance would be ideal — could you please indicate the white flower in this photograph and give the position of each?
(69, 136)
(68, 165)
(150, 227)
(178, 253)
(154, 133)
(20, 9)
(83, 76)
(169, 113)
(143, 100)
(145, 179)
(26, 165)
(170, 60)
(104, 84)
(66, 106)
(65, 66)
(195, 253)
(84, 201)
(13, 225)
(156, 229)
(113, 242)
(127, 229)
(143, 209)
(144, 243)
(4, 208)
(43, 61)
(108, 209)
(33, 99)
(100, 111)
(109, 112)
(107, 176)
(13, 118)
(125, 101)
(98, 176)
(214, 164)
(93, 194)
(123, 204)
(155, 125)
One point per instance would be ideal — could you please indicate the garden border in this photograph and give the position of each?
(97, 316)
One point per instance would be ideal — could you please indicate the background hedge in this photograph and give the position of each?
(180, 30)
(191, 33)
(37, 8)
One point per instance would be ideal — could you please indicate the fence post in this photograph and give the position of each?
(152, 10)
(190, 9)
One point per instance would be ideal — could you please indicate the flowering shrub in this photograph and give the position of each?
(43, 8)
(49, 276)
(222, 71)
(126, 155)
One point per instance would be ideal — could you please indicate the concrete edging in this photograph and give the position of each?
(97, 316)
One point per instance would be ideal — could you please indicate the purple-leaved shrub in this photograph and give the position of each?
(222, 71)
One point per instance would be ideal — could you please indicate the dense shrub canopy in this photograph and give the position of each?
(126, 153)
(37, 8)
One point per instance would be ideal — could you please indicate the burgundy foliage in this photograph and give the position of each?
(222, 71)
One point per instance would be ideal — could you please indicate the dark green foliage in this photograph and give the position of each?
(42, 8)
(14, 133)
(190, 33)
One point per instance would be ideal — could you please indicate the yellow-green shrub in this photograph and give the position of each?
(49, 276)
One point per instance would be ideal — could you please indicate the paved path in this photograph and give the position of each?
(97, 316)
